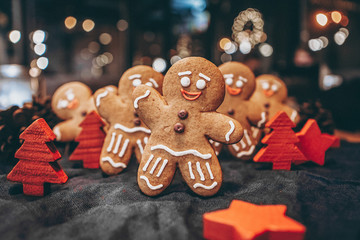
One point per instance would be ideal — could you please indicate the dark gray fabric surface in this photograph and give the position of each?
(92, 206)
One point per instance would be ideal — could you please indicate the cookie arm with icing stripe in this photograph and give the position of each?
(221, 128)
(256, 114)
(107, 102)
(149, 105)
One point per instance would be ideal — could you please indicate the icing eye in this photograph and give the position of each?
(265, 85)
(149, 84)
(200, 84)
(229, 81)
(136, 82)
(70, 96)
(274, 88)
(239, 83)
(185, 81)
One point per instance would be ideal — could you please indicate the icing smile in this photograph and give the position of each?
(269, 93)
(190, 95)
(233, 91)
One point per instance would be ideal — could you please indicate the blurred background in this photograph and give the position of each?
(311, 44)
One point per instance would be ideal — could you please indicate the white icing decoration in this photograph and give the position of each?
(136, 82)
(70, 94)
(57, 133)
(181, 153)
(192, 176)
(112, 163)
(117, 145)
(217, 153)
(148, 162)
(155, 165)
(265, 85)
(111, 142)
(62, 104)
(152, 187)
(243, 145)
(211, 141)
(100, 96)
(239, 84)
(274, 87)
(154, 82)
(149, 84)
(131, 130)
(232, 128)
(146, 140)
(246, 153)
(243, 79)
(123, 149)
(228, 75)
(185, 81)
(147, 93)
(196, 185)
(255, 132)
(235, 147)
(138, 142)
(209, 170)
(247, 137)
(198, 168)
(135, 76)
(263, 119)
(293, 115)
(204, 76)
(162, 168)
(229, 81)
(200, 84)
(184, 73)
(217, 144)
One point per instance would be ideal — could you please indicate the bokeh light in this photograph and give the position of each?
(315, 44)
(42, 62)
(223, 42)
(38, 36)
(105, 38)
(321, 19)
(94, 47)
(34, 72)
(122, 25)
(225, 58)
(174, 59)
(336, 16)
(40, 49)
(245, 47)
(230, 47)
(88, 25)
(70, 22)
(324, 41)
(266, 49)
(14, 36)
(159, 64)
(340, 37)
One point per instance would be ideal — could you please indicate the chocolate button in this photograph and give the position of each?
(179, 127)
(135, 114)
(137, 121)
(231, 111)
(183, 114)
(267, 105)
(83, 113)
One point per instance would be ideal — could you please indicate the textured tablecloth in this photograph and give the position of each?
(92, 206)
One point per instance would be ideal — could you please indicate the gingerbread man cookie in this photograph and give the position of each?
(127, 133)
(271, 92)
(72, 102)
(240, 85)
(181, 122)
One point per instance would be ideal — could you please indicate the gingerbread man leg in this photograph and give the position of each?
(156, 171)
(116, 152)
(140, 146)
(216, 146)
(245, 148)
(201, 175)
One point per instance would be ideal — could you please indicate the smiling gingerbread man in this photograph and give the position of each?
(240, 85)
(181, 122)
(127, 133)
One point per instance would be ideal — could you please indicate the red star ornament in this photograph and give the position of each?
(246, 221)
(313, 144)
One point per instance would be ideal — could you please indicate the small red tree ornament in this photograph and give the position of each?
(91, 140)
(37, 160)
(281, 149)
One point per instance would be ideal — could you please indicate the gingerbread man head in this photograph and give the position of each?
(137, 75)
(239, 80)
(271, 87)
(195, 82)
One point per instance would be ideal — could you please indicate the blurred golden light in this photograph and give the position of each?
(109, 57)
(344, 21)
(70, 22)
(122, 25)
(34, 72)
(223, 42)
(94, 47)
(88, 25)
(321, 19)
(33, 63)
(336, 16)
(105, 38)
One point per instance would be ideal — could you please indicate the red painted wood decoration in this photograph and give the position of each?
(281, 149)
(91, 140)
(37, 160)
(336, 143)
(247, 221)
(312, 143)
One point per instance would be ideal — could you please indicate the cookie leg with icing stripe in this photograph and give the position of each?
(116, 152)
(216, 146)
(203, 176)
(155, 172)
(140, 146)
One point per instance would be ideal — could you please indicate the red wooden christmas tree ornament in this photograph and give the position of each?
(312, 143)
(281, 149)
(37, 160)
(246, 221)
(91, 139)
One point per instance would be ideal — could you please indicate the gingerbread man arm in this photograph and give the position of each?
(104, 98)
(215, 123)
(257, 115)
(149, 104)
(67, 130)
(292, 113)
